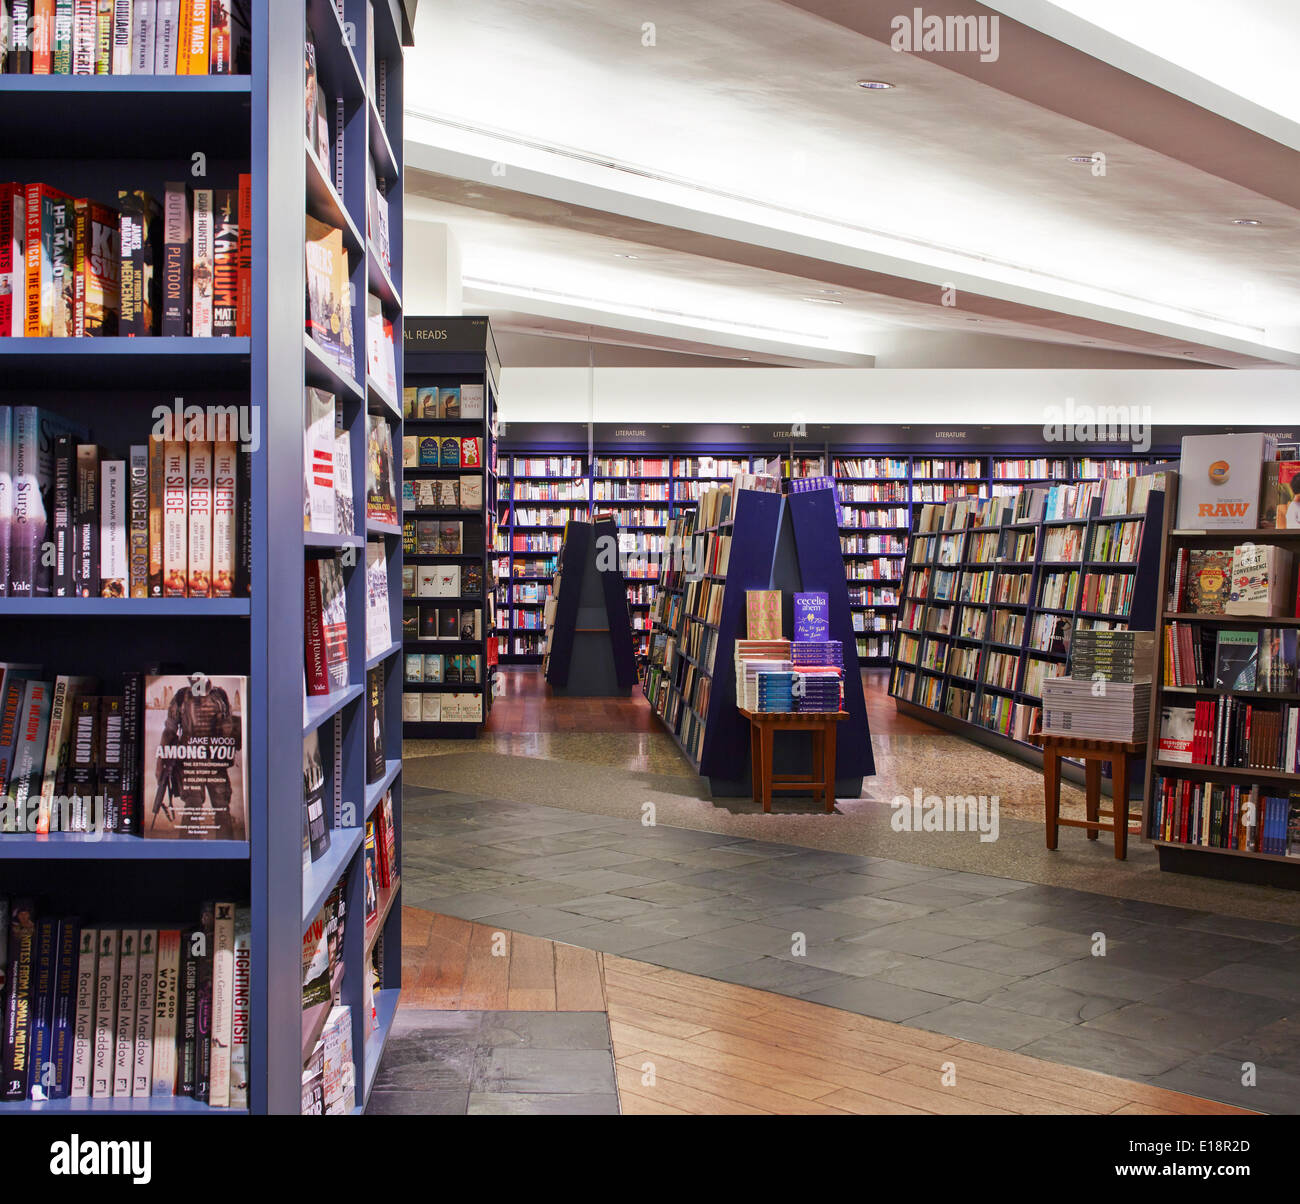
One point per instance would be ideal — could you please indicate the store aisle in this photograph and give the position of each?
(1181, 998)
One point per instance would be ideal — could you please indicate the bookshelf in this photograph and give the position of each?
(91, 136)
(451, 387)
(987, 605)
(1217, 856)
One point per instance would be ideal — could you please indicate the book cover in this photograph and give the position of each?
(28, 762)
(97, 263)
(345, 519)
(18, 59)
(241, 1009)
(329, 316)
(40, 1077)
(13, 263)
(35, 434)
(194, 757)
(114, 504)
(812, 617)
(1210, 584)
(83, 765)
(763, 614)
(471, 454)
(65, 1006)
(166, 1013)
(194, 34)
(84, 30)
(187, 1012)
(132, 696)
(318, 461)
(143, 34)
(166, 51)
(64, 579)
(157, 506)
(146, 1001)
(203, 944)
(1280, 504)
(121, 57)
(138, 522)
(316, 831)
(223, 989)
(1236, 654)
(471, 401)
(225, 486)
(18, 999)
(108, 744)
(221, 38)
(244, 307)
(86, 522)
(106, 970)
(376, 763)
(1177, 733)
(199, 535)
(67, 689)
(225, 263)
(48, 220)
(176, 288)
(202, 263)
(379, 633)
(146, 251)
(83, 1028)
(1219, 481)
(175, 517)
(124, 1035)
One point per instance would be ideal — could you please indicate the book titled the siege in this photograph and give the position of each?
(199, 559)
(225, 497)
(195, 769)
(175, 510)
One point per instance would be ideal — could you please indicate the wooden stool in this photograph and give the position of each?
(1092, 753)
(820, 725)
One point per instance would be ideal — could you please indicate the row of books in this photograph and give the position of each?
(328, 1079)
(442, 581)
(433, 707)
(442, 493)
(73, 759)
(553, 491)
(448, 451)
(1232, 732)
(125, 1012)
(451, 403)
(72, 267)
(1262, 660)
(125, 37)
(441, 537)
(1225, 816)
(325, 626)
(441, 622)
(437, 668)
(605, 491)
(1249, 579)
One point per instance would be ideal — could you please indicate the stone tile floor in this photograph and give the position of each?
(1181, 999)
(496, 1064)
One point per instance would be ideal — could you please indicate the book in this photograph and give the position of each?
(763, 614)
(241, 1009)
(223, 987)
(1220, 480)
(316, 833)
(13, 264)
(812, 616)
(225, 261)
(105, 1027)
(199, 520)
(64, 1007)
(175, 519)
(381, 481)
(21, 970)
(67, 689)
(225, 509)
(329, 316)
(114, 567)
(145, 1006)
(176, 285)
(97, 285)
(376, 757)
(1280, 503)
(1210, 580)
(138, 551)
(143, 36)
(87, 529)
(378, 622)
(28, 762)
(202, 263)
(142, 235)
(166, 1013)
(128, 968)
(319, 501)
(166, 53)
(40, 1077)
(325, 627)
(1260, 581)
(1177, 733)
(194, 34)
(47, 246)
(345, 520)
(194, 747)
(83, 1028)
(204, 944)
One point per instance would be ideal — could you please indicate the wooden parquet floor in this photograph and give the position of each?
(690, 1045)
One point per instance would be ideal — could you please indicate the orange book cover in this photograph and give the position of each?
(195, 18)
(763, 613)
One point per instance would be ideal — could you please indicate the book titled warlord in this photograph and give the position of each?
(196, 777)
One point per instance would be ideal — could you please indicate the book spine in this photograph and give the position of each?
(225, 263)
(121, 37)
(143, 29)
(41, 37)
(32, 252)
(157, 490)
(244, 527)
(225, 501)
(104, 38)
(83, 773)
(175, 511)
(128, 324)
(83, 37)
(87, 521)
(202, 264)
(19, 61)
(101, 1081)
(65, 462)
(124, 1028)
(165, 1013)
(200, 520)
(109, 742)
(132, 802)
(223, 987)
(18, 1002)
(221, 49)
(194, 38)
(203, 1009)
(59, 714)
(241, 1009)
(188, 1012)
(29, 748)
(138, 569)
(114, 571)
(40, 1068)
(63, 37)
(80, 262)
(58, 228)
(13, 274)
(146, 1001)
(244, 308)
(176, 260)
(83, 1026)
(166, 50)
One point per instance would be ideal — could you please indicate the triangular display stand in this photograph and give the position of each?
(590, 638)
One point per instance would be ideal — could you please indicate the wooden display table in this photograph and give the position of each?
(1092, 753)
(820, 725)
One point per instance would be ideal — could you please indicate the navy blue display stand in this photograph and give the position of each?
(591, 637)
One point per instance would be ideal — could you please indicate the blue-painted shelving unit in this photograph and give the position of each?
(90, 136)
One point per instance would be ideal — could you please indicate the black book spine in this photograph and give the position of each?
(132, 752)
(87, 522)
(244, 526)
(176, 261)
(20, 27)
(203, 1009)
(65, 477)
(189, 1014)
(18, 1019)
(110, 769)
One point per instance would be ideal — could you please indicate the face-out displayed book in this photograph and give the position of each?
(195, 760)
(325, 624)
(381, 478)
(1220, 480)
(436, 668)
(318, 452)
(1280, 504)
(315, 831)
(763, 614)
(379, 634)
(442, 451)
(441, 707)
(329, 316)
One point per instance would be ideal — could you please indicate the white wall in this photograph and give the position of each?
(959, 396)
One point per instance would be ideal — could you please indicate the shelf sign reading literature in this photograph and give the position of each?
(812, 617)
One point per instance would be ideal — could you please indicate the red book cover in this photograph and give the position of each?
(318, 678)
(13, 268)
(42, 37)
(244, 315)
(42, 259)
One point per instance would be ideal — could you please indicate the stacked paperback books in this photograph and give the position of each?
(754, 657)
(776, 691)
(1112, 656)
(1108, 696)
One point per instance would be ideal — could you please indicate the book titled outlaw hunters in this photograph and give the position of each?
(195, 766)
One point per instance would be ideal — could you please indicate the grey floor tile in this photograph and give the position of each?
(1163, 1026)
(927, 894)
(1148, 913)
(906, 937)
(883, 1000)
(899, 871)
(1214, 1076)
(872, 910)
(607, 937)
(538, 894)
(540, 921)
(607, 907)
(979, 884)
(601, 881)
(720, 857)
(768, 850)
(851, 885)
(658, 869)
(1098, 976)
(1033, 997)
(856, 959)
(418, 1103)
(502, 1103)
(1274, 1047)
(971, 928)
(1272, 982)
(783, 977)
(545, 1071)
(1235, 1010)
(694, 955)
(544, 1030)
(945, 978)
(789, 891)
(1108, 1053)
(766, 939)
(689, 920)
(671, 894)
(1005, 959)
(819, 923)
(987, 1025)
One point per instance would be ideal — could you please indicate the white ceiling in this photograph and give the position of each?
(707, 185)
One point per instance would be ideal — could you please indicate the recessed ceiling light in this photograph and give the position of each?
(822, 300)
(874, 85)
(829, 292)
(1246, 221)
(974, 319)
(625, 255)
(1084, 159)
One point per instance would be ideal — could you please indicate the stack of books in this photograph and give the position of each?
(805, 653)
(754, 657)
(820, 690)
(1112, 656)
(776, 691)
(1073, 707)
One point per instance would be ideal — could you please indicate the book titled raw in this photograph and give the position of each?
(1219, 480)
(194, 757)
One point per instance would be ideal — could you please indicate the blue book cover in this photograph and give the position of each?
(812, 617)
(65, 1005)
(40, 1070)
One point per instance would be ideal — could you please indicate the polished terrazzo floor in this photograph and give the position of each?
(1182, 998)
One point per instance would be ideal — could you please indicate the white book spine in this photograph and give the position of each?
(204, 258)
(143, 31)
(114, 570)
(121, 37)
(223, 993)
(166, 998)
(175, 518)
(241, 1009)
(200, 523)
(83, 1029)
(145, 1001)
(84, 22)
(167, 25)
(124, 1039)
(105, 1014)
(225, 477)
